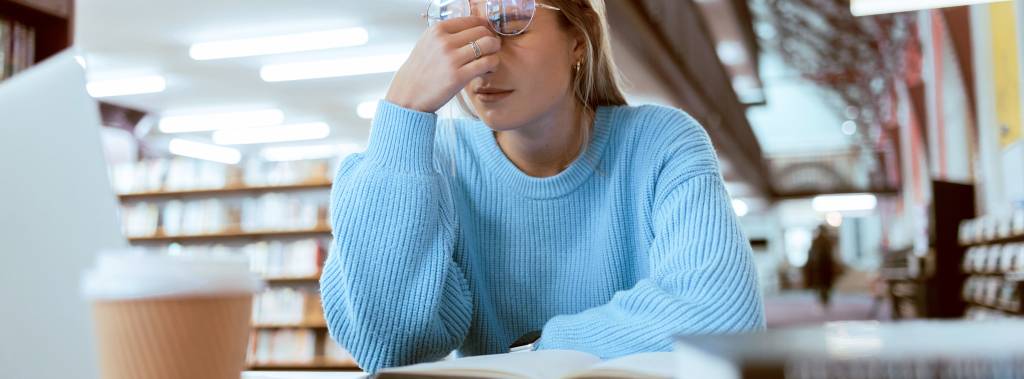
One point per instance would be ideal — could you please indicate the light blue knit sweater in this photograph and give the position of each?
(634, 242)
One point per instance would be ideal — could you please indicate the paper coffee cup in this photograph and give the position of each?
(161, 316)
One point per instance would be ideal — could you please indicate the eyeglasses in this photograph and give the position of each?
(507, 17)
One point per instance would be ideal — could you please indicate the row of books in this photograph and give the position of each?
(294, 347)
(988, 228)
(287, 306)
(985, 313)
(180, 174)
(271, 211)
(263, 173)
(301, 258)
(296, 259)
(993, 291)
(17, 47)
(994, 259)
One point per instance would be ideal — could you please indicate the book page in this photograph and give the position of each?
(642, 365)
(543, 364)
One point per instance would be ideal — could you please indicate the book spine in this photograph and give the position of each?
(5, 48)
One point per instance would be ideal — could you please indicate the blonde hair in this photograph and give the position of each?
(598, 81)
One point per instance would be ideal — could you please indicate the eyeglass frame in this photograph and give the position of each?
(532, 16)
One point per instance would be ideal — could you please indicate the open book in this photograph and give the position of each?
(542, 364)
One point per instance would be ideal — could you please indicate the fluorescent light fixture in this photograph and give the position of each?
(844, 203)
(731, 52)
(306, 152)
(874, 7)
(270, 134)
(127, 86)
(290, 43)
(740, 207)
(332, 68)
(849, 127)
(215, 121)
(835, 219)
(204, 151)
(367, 109)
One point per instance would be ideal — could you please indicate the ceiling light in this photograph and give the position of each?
(835, 219)
(873, 7)
(367, 109)
(740, 207)
(332, 68)
(215, 121)
(204, 151)
(844, 203)
(306, 152)
(270, 134)
(849, 128)
(290, 43)
(765, 30)
(731, 52)
(127, 86)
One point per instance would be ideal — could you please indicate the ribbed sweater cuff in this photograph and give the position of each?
(402, 139)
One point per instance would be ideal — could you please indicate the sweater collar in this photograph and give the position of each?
(582, 168)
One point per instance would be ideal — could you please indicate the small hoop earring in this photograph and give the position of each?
(578, 63)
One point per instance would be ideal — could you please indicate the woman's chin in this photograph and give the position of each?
(498, 120)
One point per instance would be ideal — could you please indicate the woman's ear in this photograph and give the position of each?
(579, 47)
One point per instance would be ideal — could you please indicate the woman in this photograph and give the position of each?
(561, 210)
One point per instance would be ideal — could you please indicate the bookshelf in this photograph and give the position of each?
(274, 213)
(50, 24)
(292, 280)
(230, 190)
(994, 265)
(929, 283)
(231, 234)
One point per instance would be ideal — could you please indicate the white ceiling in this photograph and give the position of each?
(127, 37)
(797, 118)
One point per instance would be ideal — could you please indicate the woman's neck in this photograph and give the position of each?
(548, 145)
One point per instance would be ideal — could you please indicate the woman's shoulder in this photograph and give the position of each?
(459, 138)
(661, 129)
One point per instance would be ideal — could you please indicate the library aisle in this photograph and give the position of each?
(166, 208)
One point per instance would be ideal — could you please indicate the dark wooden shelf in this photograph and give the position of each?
(1014, 276)
(995, 308)
(996, 241)
(234, 190)
(52, 8)
(51, 20)
(233, 235)
(292, 280)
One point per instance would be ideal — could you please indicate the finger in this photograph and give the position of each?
(488, 45)
(478, 67)
(471, 34)
(459, 24)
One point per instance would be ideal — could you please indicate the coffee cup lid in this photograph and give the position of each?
(136, 273)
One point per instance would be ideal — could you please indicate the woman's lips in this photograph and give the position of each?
(489, 96)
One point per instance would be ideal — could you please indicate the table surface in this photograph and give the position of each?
(303, 374)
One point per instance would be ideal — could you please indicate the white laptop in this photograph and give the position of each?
(57, 209)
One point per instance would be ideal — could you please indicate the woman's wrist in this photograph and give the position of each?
(406, 102)
(402, 138)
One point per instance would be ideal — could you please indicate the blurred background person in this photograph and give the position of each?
(822, 268)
